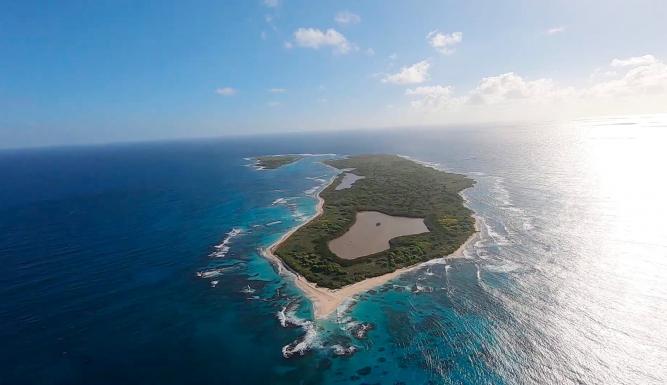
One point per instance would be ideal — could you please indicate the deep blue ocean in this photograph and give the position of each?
(100, 247)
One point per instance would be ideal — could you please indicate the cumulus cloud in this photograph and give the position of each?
(555, 30)
(316, 38)
(414, 74)
(433, 97)
(347, 17)
(644, 76)
(510, 86)
(505, 88)
(226, 91)
(634, 61)
(636, 84)
(444, 43)
(271, 3)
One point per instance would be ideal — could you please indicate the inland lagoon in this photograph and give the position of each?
(371, 233)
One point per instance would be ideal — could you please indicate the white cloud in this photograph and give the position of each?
(433, 97)
(271, 3)
(637, 84)
(602, 73)
(493, 90)
(634, 61)
(444, 43)
(414, 74)
(429, 90)
(370, 52)
(315, 38)
(277, 90)
(226, 91)
(555, 30)
(647, 76)
(347, 17)
(510, 86)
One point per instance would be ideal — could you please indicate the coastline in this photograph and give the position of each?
(325, 301)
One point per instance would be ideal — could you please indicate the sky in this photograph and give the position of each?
(75, 72)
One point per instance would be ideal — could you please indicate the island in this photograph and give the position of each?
(381, 216)
(270, 162)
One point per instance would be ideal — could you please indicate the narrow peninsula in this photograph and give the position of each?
(271, 162)
(382, 215)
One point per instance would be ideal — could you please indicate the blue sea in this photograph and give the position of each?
(139, 263)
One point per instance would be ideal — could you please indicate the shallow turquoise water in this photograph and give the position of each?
(100, 247)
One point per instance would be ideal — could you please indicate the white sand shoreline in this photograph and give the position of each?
(325, 301)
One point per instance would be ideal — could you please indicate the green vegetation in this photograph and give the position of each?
(271, 162)
(394, 186)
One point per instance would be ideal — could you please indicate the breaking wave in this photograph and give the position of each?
(288, 318)
(222, 249)
(341, 350)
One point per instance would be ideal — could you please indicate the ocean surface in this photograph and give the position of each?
(139, 263)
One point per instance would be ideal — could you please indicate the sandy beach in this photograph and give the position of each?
(326, 301)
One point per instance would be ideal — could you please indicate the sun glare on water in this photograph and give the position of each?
(626, 254)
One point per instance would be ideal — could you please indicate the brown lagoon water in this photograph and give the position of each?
(371, 233)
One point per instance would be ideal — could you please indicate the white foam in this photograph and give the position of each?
(299, 216)
(279, 201)
(312, 191)
(504, 266)
(287, 316)
(282, 317)
(212, 273)
(223, 248)
(209, 274)
(301, 346)
(248, 290)
(273, 223)
(417, 288)
(343, 309)
(434, 261)
(497, 237)
(501, 194)
(360, 329)
(341, 350)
